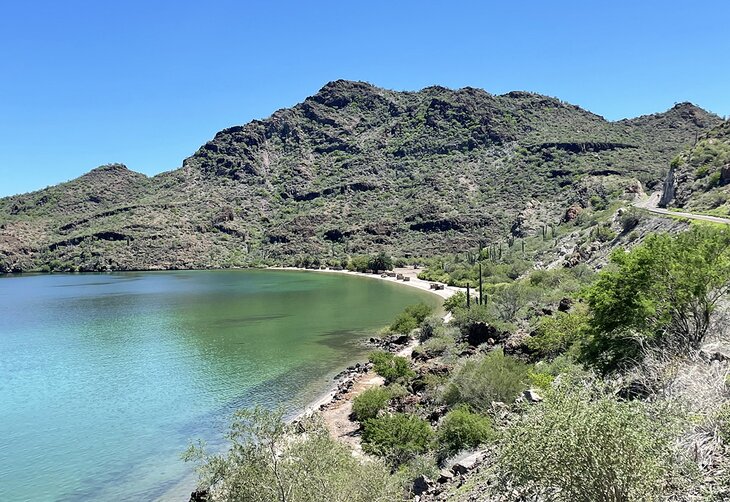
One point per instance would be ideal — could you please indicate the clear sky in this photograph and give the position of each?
(145, 83)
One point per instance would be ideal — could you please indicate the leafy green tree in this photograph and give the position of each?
(380, 261)
(272, 461)
(662, 292)
(461, 429)
(398, 437)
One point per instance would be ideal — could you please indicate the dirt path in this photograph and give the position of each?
(650, 204)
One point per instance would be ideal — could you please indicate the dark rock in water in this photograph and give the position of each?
(199, 496)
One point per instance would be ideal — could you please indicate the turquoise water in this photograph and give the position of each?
(106, 378)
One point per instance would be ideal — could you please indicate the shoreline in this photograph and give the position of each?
(328, 397)
(335, 403)
(411, 273)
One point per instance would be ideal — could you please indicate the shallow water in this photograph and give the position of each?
(106, 378)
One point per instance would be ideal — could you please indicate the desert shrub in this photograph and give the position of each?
(511, 300)
(464, 319)
(410, 318)
(397, 438)
(391, 367)
(557, 333)
(269, 461)
(723, 421)
(369, 403)
(404, 323)
(461, 429)
(363, 263)
(630, 219)
(479, 380)
(435, 346)
(579, 446)
(419, 311)
(429, 327)
(419, 465)
(603, 233)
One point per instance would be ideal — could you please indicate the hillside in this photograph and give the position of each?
(352, 169)
(699, 177)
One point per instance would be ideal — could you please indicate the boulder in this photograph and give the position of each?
(572, 212)
(531, 396)
(565, 304)
(421, 485)
(480, 333)
(445, 476)
(467, 463)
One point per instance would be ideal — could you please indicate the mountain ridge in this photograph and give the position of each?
(352, 169)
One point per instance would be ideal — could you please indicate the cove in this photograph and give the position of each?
(106, 378)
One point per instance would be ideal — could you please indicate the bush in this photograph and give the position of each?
(455, 301)
(576, 446)
(368, 404)
(391, 367)
(482, 379)
(419, 311)
(403, 324)
(363, 263)
(430, 327)
(461, 429)
(630, 219)
(398, 437)
(435, 346)
(269, 461)
(464, 319)
(557, 333)
(510, 300)
(410, 318)
(662, 293)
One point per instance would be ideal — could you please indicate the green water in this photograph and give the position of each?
(106, 378)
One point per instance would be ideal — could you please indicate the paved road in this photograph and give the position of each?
(650, 204)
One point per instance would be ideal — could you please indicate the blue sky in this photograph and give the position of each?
(147, 82)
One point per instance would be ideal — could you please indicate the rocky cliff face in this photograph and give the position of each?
(352, 169)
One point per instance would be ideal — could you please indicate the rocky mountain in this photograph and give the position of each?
(352, 169)
(699, 177)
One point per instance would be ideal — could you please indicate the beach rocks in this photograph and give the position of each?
(199, 496)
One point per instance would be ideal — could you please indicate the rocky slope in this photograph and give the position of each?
(352, 169)
(699, 177)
